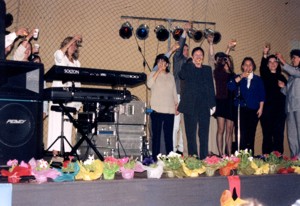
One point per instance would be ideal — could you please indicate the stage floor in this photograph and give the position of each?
(273, 190)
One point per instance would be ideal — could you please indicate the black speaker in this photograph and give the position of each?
(2, 29)
(21, 111)
(21, 130)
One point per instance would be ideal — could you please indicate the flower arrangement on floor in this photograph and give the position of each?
(110, 166)
(287, 165)
(192, 166)
(172, 164)
(129, 167)
(229, 165)
(41, 170)
(68, 171)
(296, 165)
(16, 171)
(274, 159)
(154, 169)
(90, 169)
(260, 166)
(244, 166)
(212, 163)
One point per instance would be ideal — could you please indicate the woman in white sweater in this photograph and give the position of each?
(164, 104)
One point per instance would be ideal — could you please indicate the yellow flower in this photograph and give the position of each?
(260, 168)
(297, 169)
(86, 174)
(194, 172)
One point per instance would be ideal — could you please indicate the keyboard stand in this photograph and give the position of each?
(81, 131)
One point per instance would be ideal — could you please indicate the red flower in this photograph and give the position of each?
(16, 173)
(278, 154)
(65, 163)
(286, 170)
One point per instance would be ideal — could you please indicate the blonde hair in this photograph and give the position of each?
(75, 55)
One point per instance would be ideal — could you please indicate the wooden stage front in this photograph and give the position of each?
(273, 190)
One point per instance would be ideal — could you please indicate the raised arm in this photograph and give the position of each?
(263, 69)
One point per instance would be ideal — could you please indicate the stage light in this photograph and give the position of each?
(126, 30)
(142, 32)
(217, 36)
(196, 35)
(177, 32)
(162, 34)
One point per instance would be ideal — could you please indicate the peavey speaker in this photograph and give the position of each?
(21, 110)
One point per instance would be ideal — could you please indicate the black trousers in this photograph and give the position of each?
(159, 121)
(272, 123)
(248, 124)
(191, 121)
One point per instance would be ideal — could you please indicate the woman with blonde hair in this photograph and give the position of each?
(67, 55)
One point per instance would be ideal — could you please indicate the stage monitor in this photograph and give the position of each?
(21, 80)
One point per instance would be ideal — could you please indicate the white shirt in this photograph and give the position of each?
(62, 60)
(10, 38)
(249, 79)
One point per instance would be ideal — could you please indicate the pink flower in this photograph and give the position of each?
(12, 163)
(213, 160)
(23, 164)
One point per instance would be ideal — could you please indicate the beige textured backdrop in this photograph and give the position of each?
(251, 22)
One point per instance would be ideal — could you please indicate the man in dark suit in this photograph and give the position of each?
(197, 101)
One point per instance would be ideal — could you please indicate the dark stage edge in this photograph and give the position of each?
(272, 190)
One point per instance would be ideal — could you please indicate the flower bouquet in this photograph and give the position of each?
(129, 167)
(296, 165)
(192, 166)
(16, 171)
(172, 164)
(110, 166)
(229, 164)
(274, 159)
(286, 166)
(90, 169)
(260, 167)
(154, 170)
(41, 170)
(68, 171)
(244, 167)
(211, 164)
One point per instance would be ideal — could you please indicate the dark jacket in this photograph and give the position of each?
(198, 92)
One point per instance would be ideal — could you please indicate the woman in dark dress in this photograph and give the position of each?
(273, 116)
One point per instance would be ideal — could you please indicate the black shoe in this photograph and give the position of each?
(179, 152)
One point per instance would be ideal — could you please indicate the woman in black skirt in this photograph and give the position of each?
(224, 100)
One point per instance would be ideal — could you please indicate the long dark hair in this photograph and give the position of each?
(278, 68)
(224, 60)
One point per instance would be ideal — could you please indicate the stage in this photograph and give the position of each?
(273, 190)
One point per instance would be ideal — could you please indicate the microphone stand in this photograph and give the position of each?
(238, 118)
(144, 58)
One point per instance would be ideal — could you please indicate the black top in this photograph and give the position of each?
(274, 97)
(198, 92)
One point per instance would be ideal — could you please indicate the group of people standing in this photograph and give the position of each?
(237, 101)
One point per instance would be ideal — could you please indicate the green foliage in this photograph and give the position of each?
(192, 162)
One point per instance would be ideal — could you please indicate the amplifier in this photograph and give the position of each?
(133, 112)
(114, 139)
